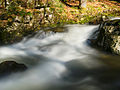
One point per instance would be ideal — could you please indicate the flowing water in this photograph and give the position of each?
(61, 61)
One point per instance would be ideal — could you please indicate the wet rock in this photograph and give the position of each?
(10, 67)
(109, 36)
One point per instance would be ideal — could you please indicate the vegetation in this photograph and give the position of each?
(64, 10)
(44, 13)
(94, 10)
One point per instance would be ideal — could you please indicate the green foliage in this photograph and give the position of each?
(29, 13)
(14, 9)
(20, 2)
(91, 0)
(119, 23)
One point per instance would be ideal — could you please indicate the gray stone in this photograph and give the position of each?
(18, 19)
(83, 3)
(109, 36)
(10, 67)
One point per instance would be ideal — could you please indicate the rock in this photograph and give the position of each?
(109, 36)
(83, 3)
(18, 19)
(98, 20)
(1, 7)
(10, 67)
(3, 23)
(17, 26)
(27, 19)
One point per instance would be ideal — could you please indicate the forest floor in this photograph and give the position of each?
(94, 10)
(94, 13)
(66, 14)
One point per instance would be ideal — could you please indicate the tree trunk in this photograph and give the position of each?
(79, 4)
(5, 3)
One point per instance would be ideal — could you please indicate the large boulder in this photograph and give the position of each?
(10, 67)
(109, 36)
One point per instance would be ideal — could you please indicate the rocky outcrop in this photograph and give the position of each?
(10, 67)
(109, 36)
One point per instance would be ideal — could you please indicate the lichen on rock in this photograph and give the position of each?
(109, 36)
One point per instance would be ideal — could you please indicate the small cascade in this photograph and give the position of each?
(60, 61)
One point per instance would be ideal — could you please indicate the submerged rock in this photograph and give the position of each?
(109, 36)
(10, 67)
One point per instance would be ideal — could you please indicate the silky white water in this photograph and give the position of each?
(61, 61)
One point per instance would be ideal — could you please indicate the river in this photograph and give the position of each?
(61, 61)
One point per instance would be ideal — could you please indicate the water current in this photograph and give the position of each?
(61, 61)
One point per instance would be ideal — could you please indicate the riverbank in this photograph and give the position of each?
(17, 21)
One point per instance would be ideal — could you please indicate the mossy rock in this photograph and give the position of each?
(109, 36)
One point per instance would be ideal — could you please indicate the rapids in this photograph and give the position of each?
(61, 61)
